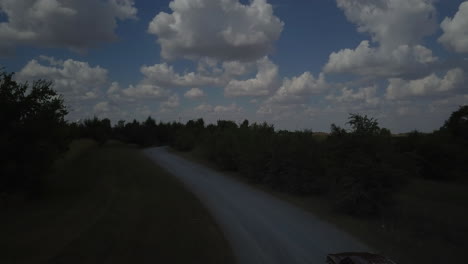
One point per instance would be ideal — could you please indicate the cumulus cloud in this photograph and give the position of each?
(171, 103)
(164, 75)
(299, 89)
(102, 108)
(209, 73)
(225, 30)
(146, 91)
(204, 108)
(152, 86)
(218, 109)
(114, 88)
(455, 36)
(392, 22)
(262, 84)
(232, 108)
(432, 84)
(397, 27)
(237, 68)
(76, 80)
(73, 24)
(366, 96)
(366, 60)
(194, 93)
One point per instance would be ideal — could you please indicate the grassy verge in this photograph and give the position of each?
(111, 204)
(429, 223)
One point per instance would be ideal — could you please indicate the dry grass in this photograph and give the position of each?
(111, 204)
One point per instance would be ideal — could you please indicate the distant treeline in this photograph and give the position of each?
(359, 168)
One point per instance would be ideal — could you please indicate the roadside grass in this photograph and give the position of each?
(428, 223)
(111, 204)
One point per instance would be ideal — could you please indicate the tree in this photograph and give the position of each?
(362, 125)
(457, 124)
(361, 165)
(32, 134)
(99, 130)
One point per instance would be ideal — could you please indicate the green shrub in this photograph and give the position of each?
(32, 133)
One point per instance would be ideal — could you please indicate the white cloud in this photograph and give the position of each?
(432, 84)
(237, 68)
(152, 86)
(392, 22)
(102, 108)
(124, 8)
(117, 95)
(209, 73)
(171, 103)
(366, 96)
(397, 27)
(145, 91)
(73, 24)
(299, 89)
(455, 36)
(165, 76)
(262, 84)
(114, 88)
(194, 93)
(226, 30)
(76, 80)
(204, 108)
(208, 66)
(218, 109)
(232, 108)
(370, 61)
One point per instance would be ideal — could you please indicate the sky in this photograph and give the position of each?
(295, 64)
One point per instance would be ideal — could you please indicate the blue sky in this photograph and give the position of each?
(296, 64)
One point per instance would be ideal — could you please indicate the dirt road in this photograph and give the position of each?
(259, 227)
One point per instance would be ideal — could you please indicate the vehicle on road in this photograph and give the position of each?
(357, 258)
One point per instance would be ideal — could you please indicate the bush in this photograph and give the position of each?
(362, 168)
(363, 187)
(457, 124)
(99, 130)
(185, 140)
(33, 133)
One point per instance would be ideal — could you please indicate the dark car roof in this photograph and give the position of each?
(357, 258)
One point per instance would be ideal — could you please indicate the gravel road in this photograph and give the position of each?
(259, 227)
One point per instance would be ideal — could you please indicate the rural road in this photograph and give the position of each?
(259, 227)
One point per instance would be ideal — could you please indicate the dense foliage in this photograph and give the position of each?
(33, 133)
(359, 168)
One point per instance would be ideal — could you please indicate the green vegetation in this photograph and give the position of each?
(359, 169)
(426, 224)
(404, 194)
(32, 134)
(110, 204)
(412, 189)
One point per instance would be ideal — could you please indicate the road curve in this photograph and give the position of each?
(259, 227)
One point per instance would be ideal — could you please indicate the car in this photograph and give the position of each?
(357, 258)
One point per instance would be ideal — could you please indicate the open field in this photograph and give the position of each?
(428, 224)
(110, 204)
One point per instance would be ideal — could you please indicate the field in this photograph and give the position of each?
(110, 204)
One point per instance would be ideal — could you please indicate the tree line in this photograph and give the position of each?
(359, 168)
